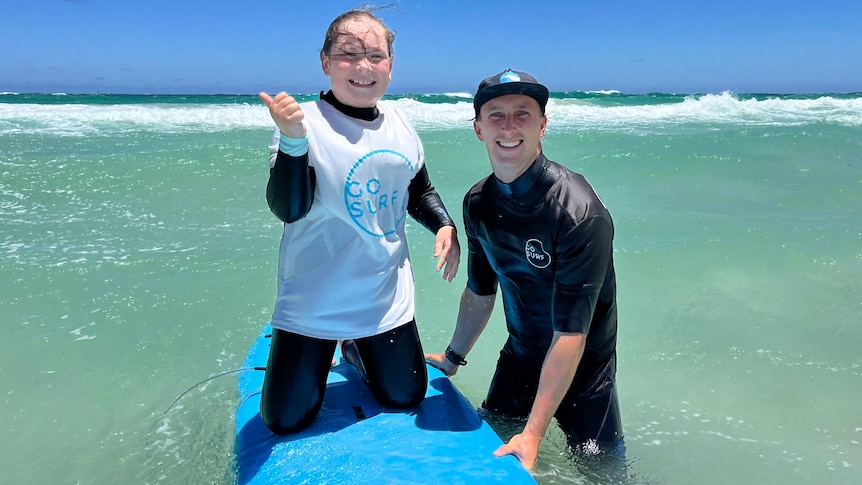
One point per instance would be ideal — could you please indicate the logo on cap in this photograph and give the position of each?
(510, 77)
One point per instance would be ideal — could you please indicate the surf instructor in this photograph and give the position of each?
(539, 232)
(345, 170)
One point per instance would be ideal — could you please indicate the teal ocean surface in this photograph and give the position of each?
(138, 258)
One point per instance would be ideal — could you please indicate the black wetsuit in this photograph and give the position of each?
(391, 363)
(547, 240)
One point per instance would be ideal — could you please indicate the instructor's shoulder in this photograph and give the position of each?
(474, 195)
(478, 188)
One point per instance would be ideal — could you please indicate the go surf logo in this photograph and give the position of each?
(373, 202)
(536, 254)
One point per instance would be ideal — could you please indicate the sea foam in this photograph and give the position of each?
(427, 113)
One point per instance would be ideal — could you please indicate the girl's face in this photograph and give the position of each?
(358, 64)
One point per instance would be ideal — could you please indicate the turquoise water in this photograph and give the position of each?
(138, 257)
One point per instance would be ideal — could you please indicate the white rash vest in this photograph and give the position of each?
(344, 269)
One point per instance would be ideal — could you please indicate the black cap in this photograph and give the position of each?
(510, 82)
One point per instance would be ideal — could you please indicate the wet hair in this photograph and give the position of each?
(367, 11)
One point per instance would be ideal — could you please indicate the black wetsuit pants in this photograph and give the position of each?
(392, 364)
(584, 414)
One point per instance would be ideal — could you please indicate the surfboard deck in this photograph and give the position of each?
(356, 440)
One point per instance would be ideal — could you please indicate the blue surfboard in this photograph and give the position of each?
(355, 440)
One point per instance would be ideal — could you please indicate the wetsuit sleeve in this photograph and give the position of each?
(290, 190)
(584, 257)
(481, 278)
(424, 203)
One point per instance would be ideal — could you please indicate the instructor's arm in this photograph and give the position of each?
(473, 316)
(557, 374)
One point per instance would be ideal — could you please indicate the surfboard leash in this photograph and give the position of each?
(194, 386)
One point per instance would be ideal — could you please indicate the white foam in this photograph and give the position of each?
(563, 114)
(724, 108)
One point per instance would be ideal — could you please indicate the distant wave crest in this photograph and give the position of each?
(86, 120)
(566, 111)
(713, 109)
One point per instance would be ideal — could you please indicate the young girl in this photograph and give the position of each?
(344, 172)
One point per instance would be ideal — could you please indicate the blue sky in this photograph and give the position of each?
(245, 46)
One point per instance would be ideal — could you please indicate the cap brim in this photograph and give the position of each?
(534, 90)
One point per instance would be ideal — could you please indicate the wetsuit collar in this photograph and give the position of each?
(367, 114)
(521, 186)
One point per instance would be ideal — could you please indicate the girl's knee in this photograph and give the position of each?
(283, 425)
(403, 397)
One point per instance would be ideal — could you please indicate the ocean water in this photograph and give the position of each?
(138, 259)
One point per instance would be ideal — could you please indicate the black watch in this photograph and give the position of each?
(454, 358)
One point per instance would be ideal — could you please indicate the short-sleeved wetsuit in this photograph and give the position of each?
(546, 239)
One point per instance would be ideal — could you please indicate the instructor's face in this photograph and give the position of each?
(512, 127)
(359, 65)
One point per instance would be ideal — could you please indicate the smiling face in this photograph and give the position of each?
(359, 63)
(512, 127)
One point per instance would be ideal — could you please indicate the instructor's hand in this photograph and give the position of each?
(441, 362)
(448, 252)
(524, 446)
(286, 113)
